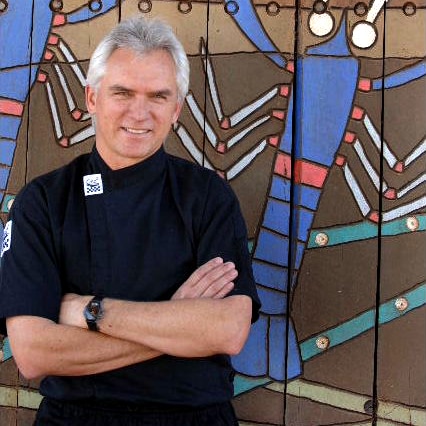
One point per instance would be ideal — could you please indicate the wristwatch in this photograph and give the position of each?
(93, 312)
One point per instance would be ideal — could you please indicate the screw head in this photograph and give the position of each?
(412, 223)
(401, 304)
(322, 342)
(321, 239)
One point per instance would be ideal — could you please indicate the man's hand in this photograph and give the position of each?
(213, 280)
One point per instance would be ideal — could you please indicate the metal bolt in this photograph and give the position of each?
(321, 239)
(323, 342)
(401, 304)
(412, 223)
(369, 406)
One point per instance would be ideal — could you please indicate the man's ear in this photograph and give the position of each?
(90, 99)
(177, 112)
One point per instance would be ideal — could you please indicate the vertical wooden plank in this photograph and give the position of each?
(16, 73)
(335, 300)
(15, 81)
(257, 89)
(401, 375)
(323, 125)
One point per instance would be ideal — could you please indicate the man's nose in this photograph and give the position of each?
(139, 109)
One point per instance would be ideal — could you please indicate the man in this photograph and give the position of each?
(115, 268)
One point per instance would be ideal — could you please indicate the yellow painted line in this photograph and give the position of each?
(401, 413)
(29, 399)
(323, 394)
(8, 396)
(351, 401)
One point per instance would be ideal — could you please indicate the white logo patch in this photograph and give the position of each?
(7, 238)
(93, 184)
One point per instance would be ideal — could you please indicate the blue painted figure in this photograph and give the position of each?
(324, 71)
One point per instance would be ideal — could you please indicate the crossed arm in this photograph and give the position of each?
(197, 321)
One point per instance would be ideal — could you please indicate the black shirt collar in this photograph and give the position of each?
(146, 172)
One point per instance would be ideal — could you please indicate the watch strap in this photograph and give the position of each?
(93, 312)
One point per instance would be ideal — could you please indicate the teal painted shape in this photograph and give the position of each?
(415, 298)
(363, 322)
(244, 384)
(7, 352)
(363, 231)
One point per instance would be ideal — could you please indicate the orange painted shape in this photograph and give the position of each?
(221, 147)
(225, 124)
(59, 19)
(77, 114)
(374, 216)
(48, 55)
(273, 140)
(310, 174)
(10, 107)
(340, 160)
(304, 172)
(279, 114)
(283, 165)
(53, 40)
(390, 194)
(364, 84)
(64, 142)
(284, 90)
(42, 77)
(290, 66)
(349, 137)
(357, 113)
(399, 167)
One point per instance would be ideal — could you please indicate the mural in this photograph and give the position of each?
(314, 111)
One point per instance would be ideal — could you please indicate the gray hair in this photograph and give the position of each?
(141, 36)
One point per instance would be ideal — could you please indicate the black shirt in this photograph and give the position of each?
(136, 234)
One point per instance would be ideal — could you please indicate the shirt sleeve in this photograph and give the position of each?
(29, 278)
(223, 233)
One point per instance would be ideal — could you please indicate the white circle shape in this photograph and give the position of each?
(364, 35)
(321, 24)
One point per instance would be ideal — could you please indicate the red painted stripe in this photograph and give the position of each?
(53, 40)
(283, 165)
(305, 172)
(10, 107)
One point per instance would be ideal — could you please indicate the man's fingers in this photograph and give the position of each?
(207, 280)
(222, 283)
(227, 288)
(215, 279)
(204, 269)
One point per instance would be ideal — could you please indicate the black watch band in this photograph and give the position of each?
(93, 312)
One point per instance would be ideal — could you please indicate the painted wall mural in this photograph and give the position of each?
(314, 111)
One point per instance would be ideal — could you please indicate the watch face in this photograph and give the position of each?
(95, 308)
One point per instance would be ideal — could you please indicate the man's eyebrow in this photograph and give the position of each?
(162, 92)
(119, 88)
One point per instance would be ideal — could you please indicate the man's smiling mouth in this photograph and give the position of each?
(136, 131)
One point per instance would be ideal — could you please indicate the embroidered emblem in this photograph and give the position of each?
(7, 238)
(93, 184)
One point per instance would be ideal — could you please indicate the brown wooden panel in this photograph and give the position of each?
(401, 376)
(337, 280)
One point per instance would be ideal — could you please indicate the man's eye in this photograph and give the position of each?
(160, 96)
(122, 94)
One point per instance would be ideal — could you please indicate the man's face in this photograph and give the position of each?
(135, 106)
